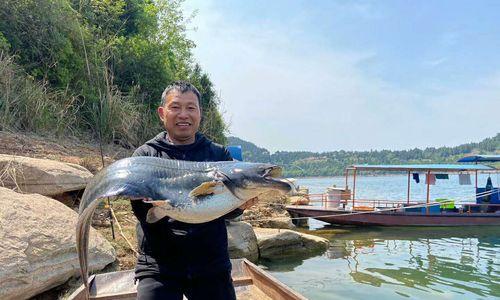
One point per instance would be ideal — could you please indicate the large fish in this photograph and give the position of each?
(191, 192)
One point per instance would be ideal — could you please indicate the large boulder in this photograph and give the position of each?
(41, 176)
(242, 242)
(268, 217)
(38, 246)
(281, 243)
(270, 212)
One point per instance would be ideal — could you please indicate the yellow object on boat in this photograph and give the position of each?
(363, 208)
(446, 203)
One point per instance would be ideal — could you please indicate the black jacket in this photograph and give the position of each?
(173, 248)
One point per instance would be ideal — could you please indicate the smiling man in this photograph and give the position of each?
(178, 258)
(180, 113)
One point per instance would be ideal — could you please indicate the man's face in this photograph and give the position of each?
(181, 117)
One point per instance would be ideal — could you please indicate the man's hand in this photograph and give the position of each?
(249, 203)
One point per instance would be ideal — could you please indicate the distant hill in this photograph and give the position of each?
(304, 163)
(251, 152)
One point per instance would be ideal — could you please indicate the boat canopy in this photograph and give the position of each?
(424, 167)
(480, 158)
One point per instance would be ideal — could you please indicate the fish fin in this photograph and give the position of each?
(205, 188)
(155, 214)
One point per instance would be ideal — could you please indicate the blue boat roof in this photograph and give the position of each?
(425, 167)
(480, 158)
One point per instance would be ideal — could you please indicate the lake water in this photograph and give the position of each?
(397, 263)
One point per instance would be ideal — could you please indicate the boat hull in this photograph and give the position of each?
(250, 282)
(341, 217)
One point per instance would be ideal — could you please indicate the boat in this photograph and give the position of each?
(250, 282)
(440, 212)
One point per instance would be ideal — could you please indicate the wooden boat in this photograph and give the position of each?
(442, 218)
(485, 211)
(250, 282)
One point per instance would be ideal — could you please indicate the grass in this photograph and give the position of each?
(29, 105)
(126, 258)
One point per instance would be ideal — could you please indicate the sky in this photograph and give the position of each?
(352, 75)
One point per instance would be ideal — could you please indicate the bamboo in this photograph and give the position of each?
(121, 232)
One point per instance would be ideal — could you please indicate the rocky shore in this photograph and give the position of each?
(38, 204)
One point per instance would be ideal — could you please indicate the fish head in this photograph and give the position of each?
(248, 180)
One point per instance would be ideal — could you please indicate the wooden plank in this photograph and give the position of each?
(270, 285)
(238, 268)
(248, 279)
(115, 296)
(241, 281)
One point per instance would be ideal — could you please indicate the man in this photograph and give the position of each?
(178, 258)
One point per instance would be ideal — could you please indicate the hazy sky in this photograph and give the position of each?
(353, 75)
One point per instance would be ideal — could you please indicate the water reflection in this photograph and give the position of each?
(462, 259)
(399, 263)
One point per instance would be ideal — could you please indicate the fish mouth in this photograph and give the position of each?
(272, 177)
(273, 172)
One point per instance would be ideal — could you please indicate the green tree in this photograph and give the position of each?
(113, 58)
(46, 38)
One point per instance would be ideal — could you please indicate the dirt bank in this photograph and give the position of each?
(83, 152)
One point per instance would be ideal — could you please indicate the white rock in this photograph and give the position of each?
(242, 241)
(41, 176)
(38, 247)
(279, 243)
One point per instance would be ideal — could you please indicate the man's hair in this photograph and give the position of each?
(181, 87)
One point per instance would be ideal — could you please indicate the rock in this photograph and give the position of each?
(302, 191)
(272, 197)
(38, 247)
(281, 243)
(242, 241)
(268, 217)
(270, 212)
(314, 243)
(41, 176)
(298, 200)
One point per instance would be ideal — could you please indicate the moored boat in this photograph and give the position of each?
(250, 282)
(441, 212)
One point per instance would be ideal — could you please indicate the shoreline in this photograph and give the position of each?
(350, 176)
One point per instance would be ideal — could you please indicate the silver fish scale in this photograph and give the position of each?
(177, 189)
(140, 171)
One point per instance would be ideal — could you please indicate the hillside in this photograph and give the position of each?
(97, 69)
(303, 163)
(251, 152)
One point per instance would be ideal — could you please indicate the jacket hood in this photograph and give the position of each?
(161, 142)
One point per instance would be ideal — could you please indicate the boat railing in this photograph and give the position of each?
(321, 200)
(364, 204)
(386, 203)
